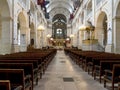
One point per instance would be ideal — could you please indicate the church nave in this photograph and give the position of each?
(63, 74)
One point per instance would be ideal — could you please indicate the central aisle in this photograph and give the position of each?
(63, 74)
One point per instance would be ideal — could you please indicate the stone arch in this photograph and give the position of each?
(22, 31)
(59, 27)
(117, 29)
(101, 29)
(5, 27)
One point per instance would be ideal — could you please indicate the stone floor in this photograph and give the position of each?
(63, 74)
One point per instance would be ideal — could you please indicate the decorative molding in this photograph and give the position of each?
(6, 18)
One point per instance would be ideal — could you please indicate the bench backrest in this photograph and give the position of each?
(116, 70)
(16, 76)
(5, 85)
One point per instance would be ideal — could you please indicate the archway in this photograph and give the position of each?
(59, 29)
(101, 29)
(5, 27)
(22, 31)
(117, 28)
(32, 34)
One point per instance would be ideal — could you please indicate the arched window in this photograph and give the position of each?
(59, 27)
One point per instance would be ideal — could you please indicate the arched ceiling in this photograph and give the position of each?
(59, 10)
(64, 7)
(60, 3)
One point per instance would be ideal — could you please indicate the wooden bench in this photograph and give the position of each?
(28, 70)
(16, 77)
(5, 85)
(32, 64)
(112, 76)
(104, 64)
(28, 60)
(40, 58)
(96, 61)
(119, 84)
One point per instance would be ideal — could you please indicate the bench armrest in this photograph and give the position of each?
(108, 71)
(35, 70)
(18, 88)
(97, 67)
(27, 77)
(90, 63)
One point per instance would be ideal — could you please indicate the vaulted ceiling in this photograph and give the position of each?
(64, 7)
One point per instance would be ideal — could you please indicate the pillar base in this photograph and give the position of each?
(90, 45)
(108, 48)
(15, 48)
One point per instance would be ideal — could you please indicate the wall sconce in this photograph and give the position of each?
(71, 36)
(83, 27)
(67, 39)
(51, 39)
(41, 27)
(48, 36)
(88, 27)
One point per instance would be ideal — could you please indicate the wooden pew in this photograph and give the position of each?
(40, 57)
(5, 85)
(112, 76)
(16, 77)
(27, 60)
(34, 65)
(92, 58)
(96, 61)
(89, 60)
(43, 58)
(119, 84)
(104, 64)
(28, 70)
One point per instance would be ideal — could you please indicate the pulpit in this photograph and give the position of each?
(89, 43)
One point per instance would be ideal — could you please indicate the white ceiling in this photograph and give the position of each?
(64, 7)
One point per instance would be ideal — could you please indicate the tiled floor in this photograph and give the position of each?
(63, 74)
